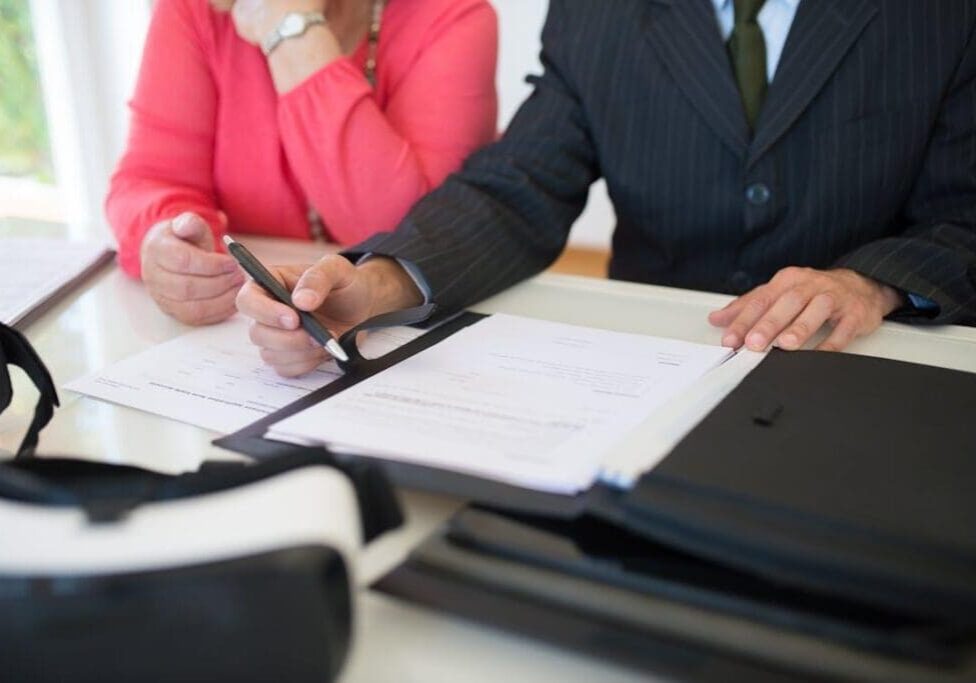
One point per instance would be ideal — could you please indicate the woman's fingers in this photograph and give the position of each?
(192, 287)
(199, 312)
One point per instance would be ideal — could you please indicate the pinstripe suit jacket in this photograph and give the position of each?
(864, 155)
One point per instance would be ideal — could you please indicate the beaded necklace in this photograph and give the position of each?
(375, 24)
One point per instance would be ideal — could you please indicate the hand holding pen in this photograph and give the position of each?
(340, 294)
(321, 337)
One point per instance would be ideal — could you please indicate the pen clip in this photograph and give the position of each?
(407, 316)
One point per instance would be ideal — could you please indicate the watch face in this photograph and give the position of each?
(292, 25)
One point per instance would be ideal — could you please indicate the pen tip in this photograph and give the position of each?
(332, 346)
(228, 240)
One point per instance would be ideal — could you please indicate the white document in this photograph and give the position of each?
(214, 378)
(35, 270)
(528, 402)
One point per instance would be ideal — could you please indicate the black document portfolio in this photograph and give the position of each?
(844, 474)
(819, 523)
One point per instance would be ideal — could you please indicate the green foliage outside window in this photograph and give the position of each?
(24, 148)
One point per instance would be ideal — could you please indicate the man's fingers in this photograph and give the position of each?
(277, 339)
(307, 357)
(813, 317)
(783, 311)
(330, 273)
(182, 258)
(286, 367)
(843, 334)
(254, 302)
(754, 306)
(725, 315)
(193, 287)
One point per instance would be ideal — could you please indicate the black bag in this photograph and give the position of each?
(233, 573)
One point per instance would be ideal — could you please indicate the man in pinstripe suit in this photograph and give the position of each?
(815, 157)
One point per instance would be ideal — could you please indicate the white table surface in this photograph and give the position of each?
(112, 317)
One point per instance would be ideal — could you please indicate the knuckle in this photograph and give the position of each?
(791, 274)
(758, 304)
(801, 329)
(768, 326)
(739, 329)
(828, 300)
(857, 310)
(792, 297)
(795, 298)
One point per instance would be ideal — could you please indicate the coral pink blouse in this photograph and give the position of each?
(210, 134)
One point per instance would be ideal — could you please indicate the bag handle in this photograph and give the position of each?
(16, 350)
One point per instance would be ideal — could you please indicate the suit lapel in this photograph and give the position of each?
(821, 36)
(686, 37)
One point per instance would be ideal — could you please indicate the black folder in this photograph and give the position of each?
(850, 475)
(826, 506)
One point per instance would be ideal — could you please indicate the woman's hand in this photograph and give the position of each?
(185, 276)
(256, 19)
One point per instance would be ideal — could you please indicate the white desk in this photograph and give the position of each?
(113, 318)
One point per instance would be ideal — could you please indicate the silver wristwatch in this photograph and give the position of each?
(293, 24)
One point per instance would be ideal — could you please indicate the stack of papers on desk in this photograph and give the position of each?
(35, 271)
(531, 403)
(214, 378)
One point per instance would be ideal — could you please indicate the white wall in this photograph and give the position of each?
(521, 25)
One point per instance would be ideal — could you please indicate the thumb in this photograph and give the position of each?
(191, 228)
(330, 273)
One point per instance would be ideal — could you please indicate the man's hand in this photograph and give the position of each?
(338, 293)
(184, 275)
(256, 19)
(797, 302)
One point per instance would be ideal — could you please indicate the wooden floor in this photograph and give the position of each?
(589, 262)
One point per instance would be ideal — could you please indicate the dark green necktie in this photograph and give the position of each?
(747, 48)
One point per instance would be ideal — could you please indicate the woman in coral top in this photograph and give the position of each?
(312, 119)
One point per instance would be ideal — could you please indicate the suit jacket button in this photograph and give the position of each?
(741, 282)
(758, 194)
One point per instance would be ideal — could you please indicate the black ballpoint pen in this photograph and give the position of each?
(260, 274)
